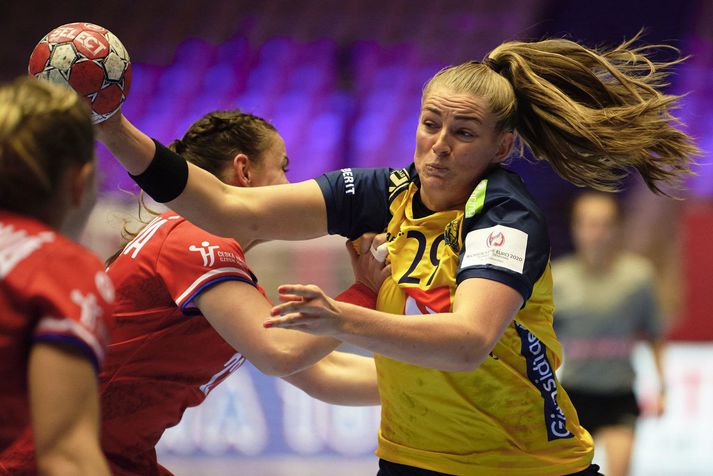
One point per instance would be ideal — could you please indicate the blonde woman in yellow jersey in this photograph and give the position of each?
(463, 329)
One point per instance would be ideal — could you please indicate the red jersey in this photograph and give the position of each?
(164, 355)
(51, 290)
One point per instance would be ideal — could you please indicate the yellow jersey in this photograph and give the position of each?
(510, 416)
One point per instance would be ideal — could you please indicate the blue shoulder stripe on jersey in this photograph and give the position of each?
(518, 282)
(194, 311)
(72, 341)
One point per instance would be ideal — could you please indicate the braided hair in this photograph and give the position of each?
(211, 143)
(214, 140)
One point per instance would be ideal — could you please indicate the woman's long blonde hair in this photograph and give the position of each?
(593, 114)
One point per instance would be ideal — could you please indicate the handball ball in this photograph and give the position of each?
(89, 59)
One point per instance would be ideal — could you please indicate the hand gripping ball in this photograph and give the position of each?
(89, 59)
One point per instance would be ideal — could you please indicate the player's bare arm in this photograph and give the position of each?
(288, 212)
(341, 379)
(455, 341)
(236, 309)
(65, 412)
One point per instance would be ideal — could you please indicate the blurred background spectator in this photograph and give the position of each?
(605, 301)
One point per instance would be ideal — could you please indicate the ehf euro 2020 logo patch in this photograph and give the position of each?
(497, 245)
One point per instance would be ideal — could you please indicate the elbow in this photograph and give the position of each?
(315, 389)
(467, 357)
(53, 464)
(461, 365)
(281, 363)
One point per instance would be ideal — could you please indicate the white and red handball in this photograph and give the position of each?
(89, 59)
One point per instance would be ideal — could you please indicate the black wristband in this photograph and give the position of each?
(166, 176)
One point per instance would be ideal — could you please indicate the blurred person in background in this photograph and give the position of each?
(463, 335)
(189, 310)
(605, 301)
(54, 295)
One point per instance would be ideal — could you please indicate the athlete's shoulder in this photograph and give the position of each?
(185, 227)
(504, 233)
(188, 237)
(26, 243)
(503, 186)
(501, 198)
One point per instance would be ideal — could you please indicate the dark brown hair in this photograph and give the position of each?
(211, 143)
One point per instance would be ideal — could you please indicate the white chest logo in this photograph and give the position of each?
(207, 252)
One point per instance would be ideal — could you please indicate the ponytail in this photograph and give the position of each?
(594, 115)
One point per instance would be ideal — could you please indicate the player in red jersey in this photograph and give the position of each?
(189, 310)
(56, 298)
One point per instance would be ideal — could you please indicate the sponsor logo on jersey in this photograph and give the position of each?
(348, 177)
(207, 252)
(16, 245)
(497, 246)
(542, 376)
(228, 257)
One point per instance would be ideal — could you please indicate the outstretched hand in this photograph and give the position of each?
(306, 308)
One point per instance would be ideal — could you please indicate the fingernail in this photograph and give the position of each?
(267, 324)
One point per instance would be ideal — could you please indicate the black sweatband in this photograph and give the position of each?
(166, 176)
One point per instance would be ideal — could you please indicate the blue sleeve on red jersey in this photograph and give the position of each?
(507, 239)
(357, 201)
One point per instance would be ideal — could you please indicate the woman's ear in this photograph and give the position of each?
(241, 171)
(78, 195)
(82, 182)
(505, 145)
